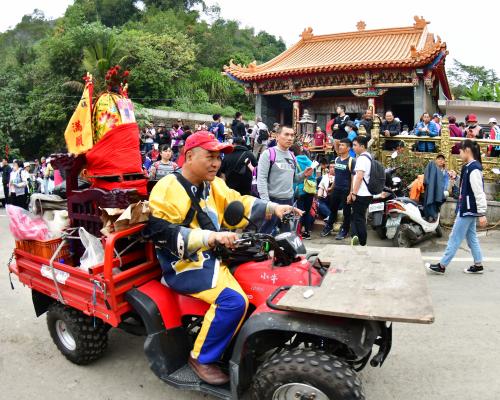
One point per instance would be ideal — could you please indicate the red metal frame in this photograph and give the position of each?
(80, 287)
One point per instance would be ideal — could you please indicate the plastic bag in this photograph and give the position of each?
(94, 252)
(25, 226)
(57, 221)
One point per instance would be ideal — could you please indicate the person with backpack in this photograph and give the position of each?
(344, 170)
(236, 168)
(165, 166)
(187, 214)
(217, 128)
(276, 174)
(471, 206)
(237, 126)
(176, 139)
(260, 132)
(305, 190)
(362, 191)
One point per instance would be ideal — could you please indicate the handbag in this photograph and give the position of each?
(309, 186)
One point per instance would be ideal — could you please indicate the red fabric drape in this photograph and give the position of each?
(117, 153)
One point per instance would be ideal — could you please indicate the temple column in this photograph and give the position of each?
(371, 105)
(419, 100)
(296, 116)
(261, 107)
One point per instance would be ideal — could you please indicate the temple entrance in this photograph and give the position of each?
(400, 101)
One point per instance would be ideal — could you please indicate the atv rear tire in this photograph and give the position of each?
(439, 231)
(80, 338)
(381, 232)
(306, 373)
(401, 238)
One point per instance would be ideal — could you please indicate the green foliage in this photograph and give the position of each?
(410, 165)
(175, 57)
(482, 92)
(108, 12)
(472, 82)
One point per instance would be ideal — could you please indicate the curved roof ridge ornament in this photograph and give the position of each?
(252, 67)
(420, 22)
(361, 26)
(307, 33)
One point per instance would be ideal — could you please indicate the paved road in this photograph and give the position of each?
(455, 358)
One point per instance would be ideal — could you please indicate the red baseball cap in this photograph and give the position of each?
(207, 141)
(472, 118)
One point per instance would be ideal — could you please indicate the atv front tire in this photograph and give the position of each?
(80, 338)
(308, 374)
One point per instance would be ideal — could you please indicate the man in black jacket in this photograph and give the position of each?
(367, 123)
(390, 127)
(6, 169)
(235, 167)
(238, 127)
(339, 125)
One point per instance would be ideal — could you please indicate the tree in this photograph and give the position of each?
(184, 5)
(110, 13)
(463, 77)
(155, 62)
(175, 57)
(482, 92)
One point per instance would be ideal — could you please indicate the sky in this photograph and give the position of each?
(470, 37)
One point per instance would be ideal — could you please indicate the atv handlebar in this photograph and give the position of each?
(248, 239)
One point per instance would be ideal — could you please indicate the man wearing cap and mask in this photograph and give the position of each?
(186, 215)
(474, 130)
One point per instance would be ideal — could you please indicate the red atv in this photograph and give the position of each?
(277, 354)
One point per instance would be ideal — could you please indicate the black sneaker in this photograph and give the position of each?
(341, 235)
(474, 269)
(306, 235)
(326, 231)
(436, 268)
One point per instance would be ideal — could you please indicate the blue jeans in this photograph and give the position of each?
(324, 207)
(269, 225)
(463, 228)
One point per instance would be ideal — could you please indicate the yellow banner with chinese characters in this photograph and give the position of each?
(78, 134)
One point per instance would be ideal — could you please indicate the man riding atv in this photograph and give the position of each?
(186, 215)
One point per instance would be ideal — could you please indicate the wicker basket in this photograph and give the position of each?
(45, 249)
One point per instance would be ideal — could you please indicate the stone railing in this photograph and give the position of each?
(444, 144)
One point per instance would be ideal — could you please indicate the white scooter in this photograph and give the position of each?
(405, 223)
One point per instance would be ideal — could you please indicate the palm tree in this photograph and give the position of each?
(98, 58)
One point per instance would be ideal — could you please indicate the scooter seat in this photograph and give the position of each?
(407, 200)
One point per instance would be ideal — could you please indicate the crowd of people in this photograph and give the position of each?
(274, 164)
(21, 179)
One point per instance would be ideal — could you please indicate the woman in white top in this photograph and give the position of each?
(17, 185)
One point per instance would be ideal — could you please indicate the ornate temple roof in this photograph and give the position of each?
(408, 47)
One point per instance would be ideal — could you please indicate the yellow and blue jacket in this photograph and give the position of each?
(188, 265)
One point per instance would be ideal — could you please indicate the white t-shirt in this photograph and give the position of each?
(364, 163)
(325, 183)
(255, 131)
